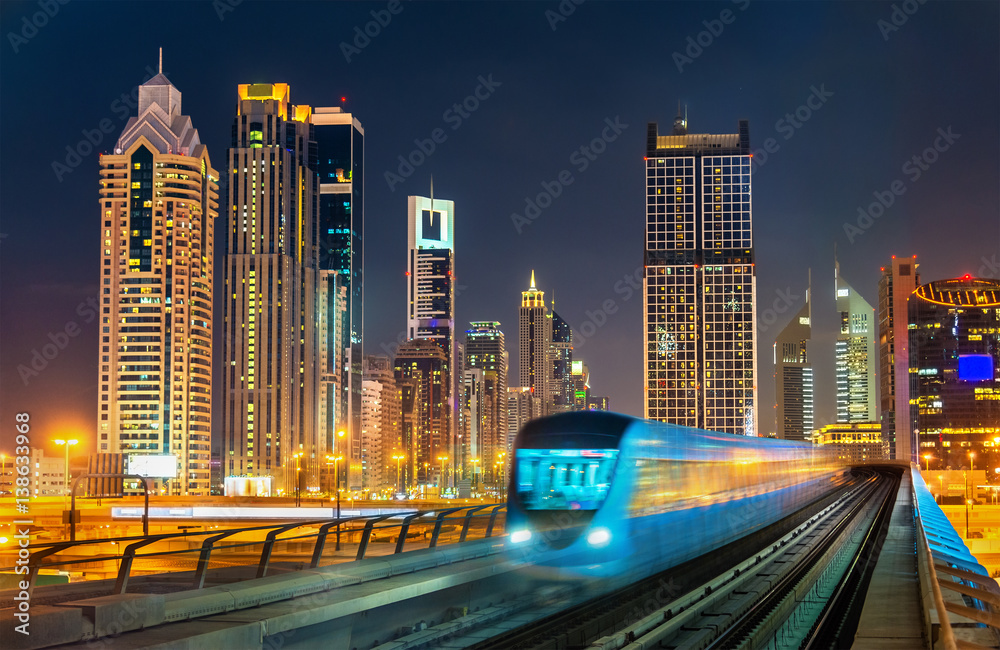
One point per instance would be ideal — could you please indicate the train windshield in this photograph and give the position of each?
(564, 479)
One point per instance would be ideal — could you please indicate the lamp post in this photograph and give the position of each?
(941, 483)
(298, 477)
(500, 464)
(927, 462)
(444, 474)
(972, 470)
(68, 444)
(336, 470)
(399, 459)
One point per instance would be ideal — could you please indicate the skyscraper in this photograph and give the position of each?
(485, 349)
(379, 369)
(561, 388)
(159, 201)
(855, 355)
(699, 286)
(793, 376)
(898, 281)
(340, 143)
(423, 372)
(535, 366)
(954, 332)
(270, 334)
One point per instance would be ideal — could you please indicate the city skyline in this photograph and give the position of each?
(882, 203)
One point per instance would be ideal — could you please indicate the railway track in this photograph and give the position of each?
(805, 585)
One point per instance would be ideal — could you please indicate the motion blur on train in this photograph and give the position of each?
(603, 495)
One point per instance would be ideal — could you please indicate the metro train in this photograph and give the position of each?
(599, 494)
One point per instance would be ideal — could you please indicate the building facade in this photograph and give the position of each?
(340, 144)
(954, 337)
(158, 204)
(423, 373)
(793, 377)
(854, 442)
(699, 286)
(855, 355)
(379, 369)
(898, 281)
(561, 386)
(485, 349)
(271, 337)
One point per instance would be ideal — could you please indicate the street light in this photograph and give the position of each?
(941, 483)
(927, 461)
(399, 459)
(68, 444)
(444, 472)
(501, 465)
(475, 474)
(336, 470)
(298, 477)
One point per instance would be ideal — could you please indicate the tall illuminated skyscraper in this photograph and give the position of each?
(699, 287)
(899, 280)
(158, 201)
(486, 350)
(855, 355)
(793, 376)
(270, 334)
(340, 143)
(535, 366)
(423, 374)
(430, 290)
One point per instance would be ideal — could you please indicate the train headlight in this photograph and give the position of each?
(599, 537)
(519, 536)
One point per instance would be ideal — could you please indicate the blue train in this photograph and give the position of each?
(606, 495)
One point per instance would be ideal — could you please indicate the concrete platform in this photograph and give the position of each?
(892, 614)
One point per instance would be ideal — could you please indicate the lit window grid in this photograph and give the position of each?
(671, 354)
(670, 204)
(725, 203)
(728, 368)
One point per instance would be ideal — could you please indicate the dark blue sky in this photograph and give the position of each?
(886, 93)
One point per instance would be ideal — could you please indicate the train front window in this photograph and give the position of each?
(564, 479)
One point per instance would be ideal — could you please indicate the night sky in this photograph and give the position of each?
(870, 94)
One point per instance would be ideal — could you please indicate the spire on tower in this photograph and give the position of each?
(161, 61)
(533, 280)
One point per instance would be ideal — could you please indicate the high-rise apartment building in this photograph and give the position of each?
(855, 355)
(271, 338)
(372, 468)
(423, 373)
(954, 332)
(486, 350)
(158, 202)
(535, 340)
(379, 369)
(898, 281)
(340, 144)
(699, 339)
(793, 376)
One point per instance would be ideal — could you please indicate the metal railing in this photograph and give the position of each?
(367, 527)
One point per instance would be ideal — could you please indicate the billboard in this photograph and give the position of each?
(975, 367)
(153, 466)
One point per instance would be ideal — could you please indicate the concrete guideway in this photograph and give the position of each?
(281, 604)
